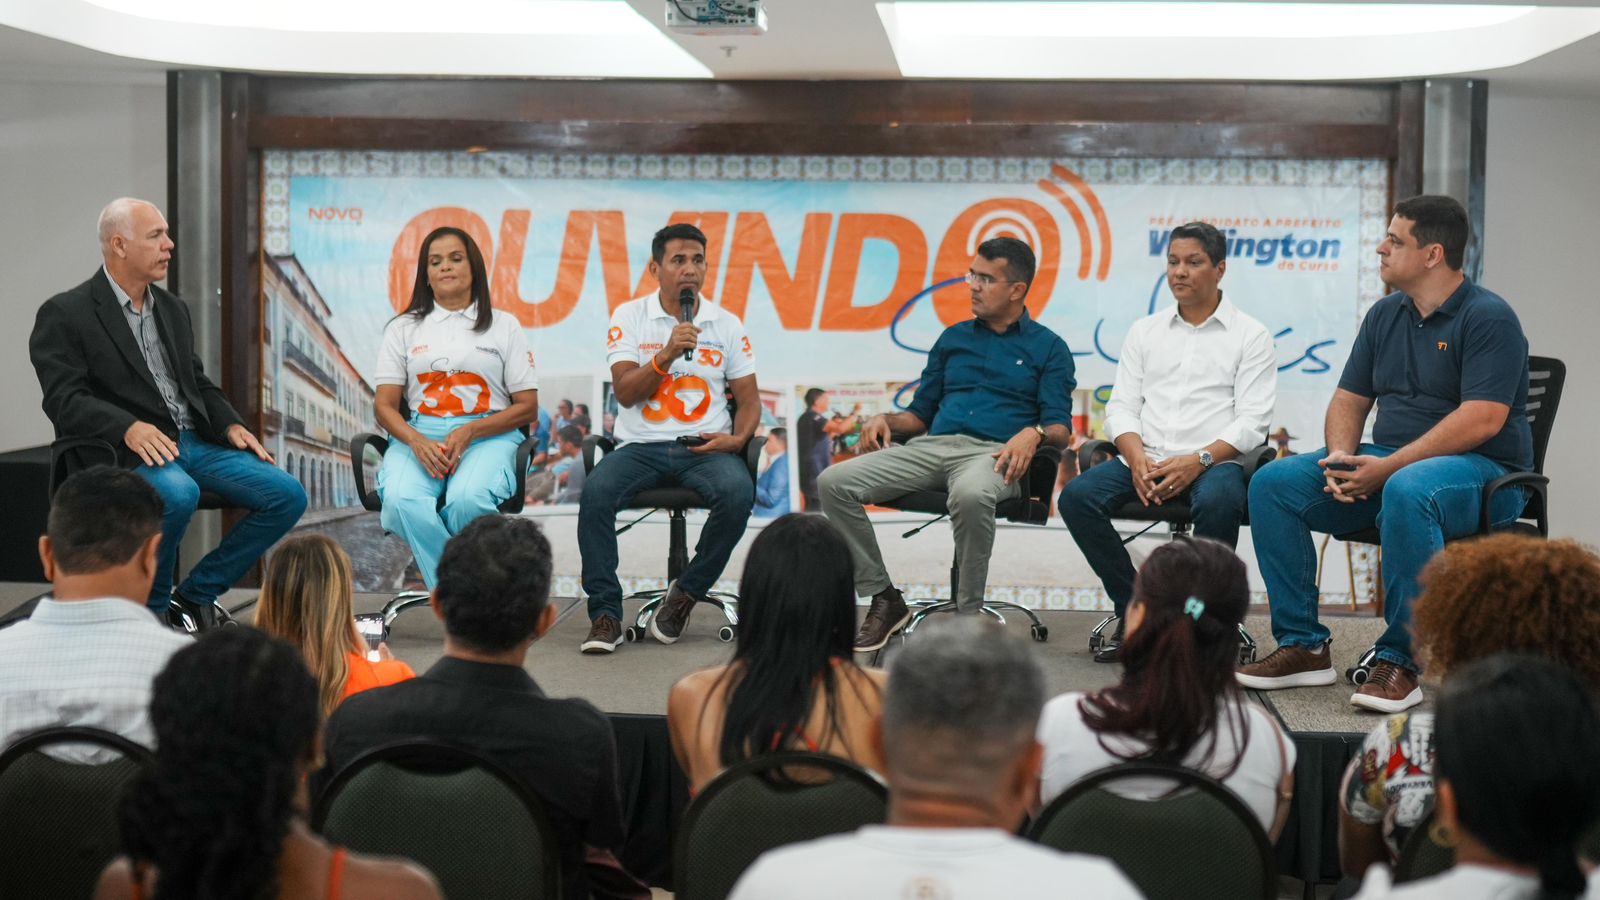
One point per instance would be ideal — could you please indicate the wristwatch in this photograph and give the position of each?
(1040, 429)
(1205, 459)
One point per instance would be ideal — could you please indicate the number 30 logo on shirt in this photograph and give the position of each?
(668, 401)
(440, 389)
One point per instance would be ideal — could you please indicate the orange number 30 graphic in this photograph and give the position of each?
(668, 401)
(440, 391)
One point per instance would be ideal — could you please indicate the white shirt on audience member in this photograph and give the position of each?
(693, 397)
(881, 862)
(1072, 750)
(83, 662)
(1181, 386)
(1464, 882)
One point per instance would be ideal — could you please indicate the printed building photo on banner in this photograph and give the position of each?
(555, 474)
(828, 425)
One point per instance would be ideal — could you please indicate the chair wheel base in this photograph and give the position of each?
(633, 634)
(1041, 633)
(725, 633)
(1359, 673)
(1097, 637)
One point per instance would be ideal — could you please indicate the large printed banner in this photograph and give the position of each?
(844, 269)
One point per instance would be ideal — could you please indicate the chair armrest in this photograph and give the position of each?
(1534, 482)
(590, 443)
(59, 448)
(358, 465)
(1087, 451)
(1255, 459)
(519, 478)
(752, 455)
(1042, 472)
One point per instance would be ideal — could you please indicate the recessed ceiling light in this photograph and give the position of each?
(1231, 40)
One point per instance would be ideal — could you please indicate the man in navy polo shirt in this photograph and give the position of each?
(993, 390)
(1447, 364)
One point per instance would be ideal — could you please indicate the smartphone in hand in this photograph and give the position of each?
(373, 630)
(1341, 466)
(692, 440)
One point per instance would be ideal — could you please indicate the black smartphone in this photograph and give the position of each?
(691, 440)
(1341, 466)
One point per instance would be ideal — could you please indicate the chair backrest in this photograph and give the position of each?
(1421, 856)
(451, 810)
(1546, 377)
(766, 802)
(58, 819)
(1196, 842)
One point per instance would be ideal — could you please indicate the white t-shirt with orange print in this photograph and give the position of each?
(449, 370)
(693, 396)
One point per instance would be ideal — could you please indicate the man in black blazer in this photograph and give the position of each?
(115, 357)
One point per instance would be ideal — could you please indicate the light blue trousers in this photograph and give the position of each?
(411, 508)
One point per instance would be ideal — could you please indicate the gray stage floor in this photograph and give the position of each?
(635, 679)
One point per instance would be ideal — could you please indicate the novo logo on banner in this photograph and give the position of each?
(352, 214)
(742, 243)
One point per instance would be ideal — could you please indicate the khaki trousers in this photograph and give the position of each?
(961, 465)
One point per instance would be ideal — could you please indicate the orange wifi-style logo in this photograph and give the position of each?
(1102, 226)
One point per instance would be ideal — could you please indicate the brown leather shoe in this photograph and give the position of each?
(1288, 667)
(605, 635)
(1390, 689)
(887, 615)
(667, 624)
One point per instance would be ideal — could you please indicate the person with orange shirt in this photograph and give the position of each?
(674, 357)
(305, 600)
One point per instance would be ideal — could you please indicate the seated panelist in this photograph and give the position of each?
(116, 361)
(994, 389)
(674, 357)
(1194, 390)
(463, 370)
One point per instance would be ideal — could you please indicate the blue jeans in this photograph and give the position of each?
(722, 479)
(1419, 507)
(1216, 498)
(272, 496)
(483, 478)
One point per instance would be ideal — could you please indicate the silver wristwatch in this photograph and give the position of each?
(1205, 459)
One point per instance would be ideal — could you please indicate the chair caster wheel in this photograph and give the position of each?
(725, 633)
(1247, 655)
(1040, 633)
(1359, 673)
(633, 634)
(1097, 637)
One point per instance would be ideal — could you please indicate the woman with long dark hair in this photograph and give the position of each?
(1178, 702)
(793, 683)
(221, 816)
(464, 372)
(1516, 738)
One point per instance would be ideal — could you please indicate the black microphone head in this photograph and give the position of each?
(686, 296)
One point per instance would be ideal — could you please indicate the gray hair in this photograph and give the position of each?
(117, 218)
(962, 695)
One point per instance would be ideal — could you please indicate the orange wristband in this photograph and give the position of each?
(656, 367)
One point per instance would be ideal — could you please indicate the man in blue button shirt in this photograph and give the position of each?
(1447, 364)
(994, 389)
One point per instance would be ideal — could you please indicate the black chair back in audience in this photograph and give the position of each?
(766, 802)
(1198, 841)
(452, 811)
(59, 819)
(1421, 856)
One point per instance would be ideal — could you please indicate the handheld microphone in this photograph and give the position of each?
(686, 314)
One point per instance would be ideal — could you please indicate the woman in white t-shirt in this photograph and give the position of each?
(463, 370)
(1516, 740)
(1178, 702)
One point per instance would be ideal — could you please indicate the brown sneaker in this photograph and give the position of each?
(605, 635)
(887, 615)
(1288, 667)
(1390, 689)
(673, 613)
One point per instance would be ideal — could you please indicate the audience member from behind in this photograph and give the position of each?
(88, 654)
(957, 738)
(793, 683)
(305, 600)
(1178, 702)
(222, 813)
(1518, 737)
(1500, 593)
(492, 595)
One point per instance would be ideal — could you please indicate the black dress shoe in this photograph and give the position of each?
(1111, 648)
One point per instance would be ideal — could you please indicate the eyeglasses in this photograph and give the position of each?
(982, 281)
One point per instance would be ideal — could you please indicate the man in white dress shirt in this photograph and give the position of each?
(1194, 391)
(957, 740)
(90, 651)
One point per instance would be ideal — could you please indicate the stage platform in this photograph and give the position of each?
(631, 685)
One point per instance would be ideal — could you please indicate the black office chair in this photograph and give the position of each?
(456, 813)
(1546, 377)
(1197, 841)
(1178, 517)
(770, 801)
(1032, 508)
(60, 818)
(98, 449)
(677, 501)
(370, 500)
